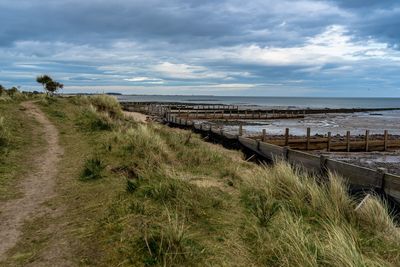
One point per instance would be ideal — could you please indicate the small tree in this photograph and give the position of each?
(53, 86)
(49, 85)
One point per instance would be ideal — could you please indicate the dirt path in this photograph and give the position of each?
(37, 187)
(139, 117)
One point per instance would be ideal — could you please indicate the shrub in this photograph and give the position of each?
(93, 169)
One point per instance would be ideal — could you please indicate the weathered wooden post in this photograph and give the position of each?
(328, 145)
(366, 140)
(385, 140)
(240, 130)
(264, 135)
(286, 136)
(348, 141)
(322, 163)
(223, 114)
(308, 138)
(245, 114)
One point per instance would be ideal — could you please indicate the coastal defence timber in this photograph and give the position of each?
(360, 178)
(233, 112)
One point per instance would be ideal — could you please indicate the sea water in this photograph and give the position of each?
(262, 101)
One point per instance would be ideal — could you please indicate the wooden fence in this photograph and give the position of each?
(366, 142)
(360, 177)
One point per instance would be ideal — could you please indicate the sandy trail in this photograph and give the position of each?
(139, 117)
(37, 187)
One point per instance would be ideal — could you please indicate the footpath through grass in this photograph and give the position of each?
(147, 195)
(20, 140)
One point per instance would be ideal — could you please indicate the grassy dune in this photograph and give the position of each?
(148, 195)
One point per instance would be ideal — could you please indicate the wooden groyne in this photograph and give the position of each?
(232, 112)
(358, 177)
(329, 142)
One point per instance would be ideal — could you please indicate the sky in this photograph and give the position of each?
(345, 48)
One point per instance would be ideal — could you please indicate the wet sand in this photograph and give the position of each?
(356, 123)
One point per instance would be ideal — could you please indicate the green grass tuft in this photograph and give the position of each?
(93, 169)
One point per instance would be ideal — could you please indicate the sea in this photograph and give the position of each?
(265, 101)
(357, 123)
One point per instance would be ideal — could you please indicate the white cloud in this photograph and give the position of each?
(334, 45)
(185, 71)
(145, 79)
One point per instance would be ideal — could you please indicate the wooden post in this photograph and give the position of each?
(308, 138)
(328, 145)
(264, 135)
(366, 140)
(245, 114)
(286, 136)
(240, 130)
(348, 141)
(385, 140)
(222, 114)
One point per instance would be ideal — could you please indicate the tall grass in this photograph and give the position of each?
(92, 120)
(241, 215)
(107, 104)
(4, 133)
(287, 217)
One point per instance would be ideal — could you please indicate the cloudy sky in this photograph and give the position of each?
(220, 47)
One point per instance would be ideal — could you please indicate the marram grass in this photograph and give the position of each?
(183, 202)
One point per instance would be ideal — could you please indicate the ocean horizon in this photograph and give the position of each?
(271, 101)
